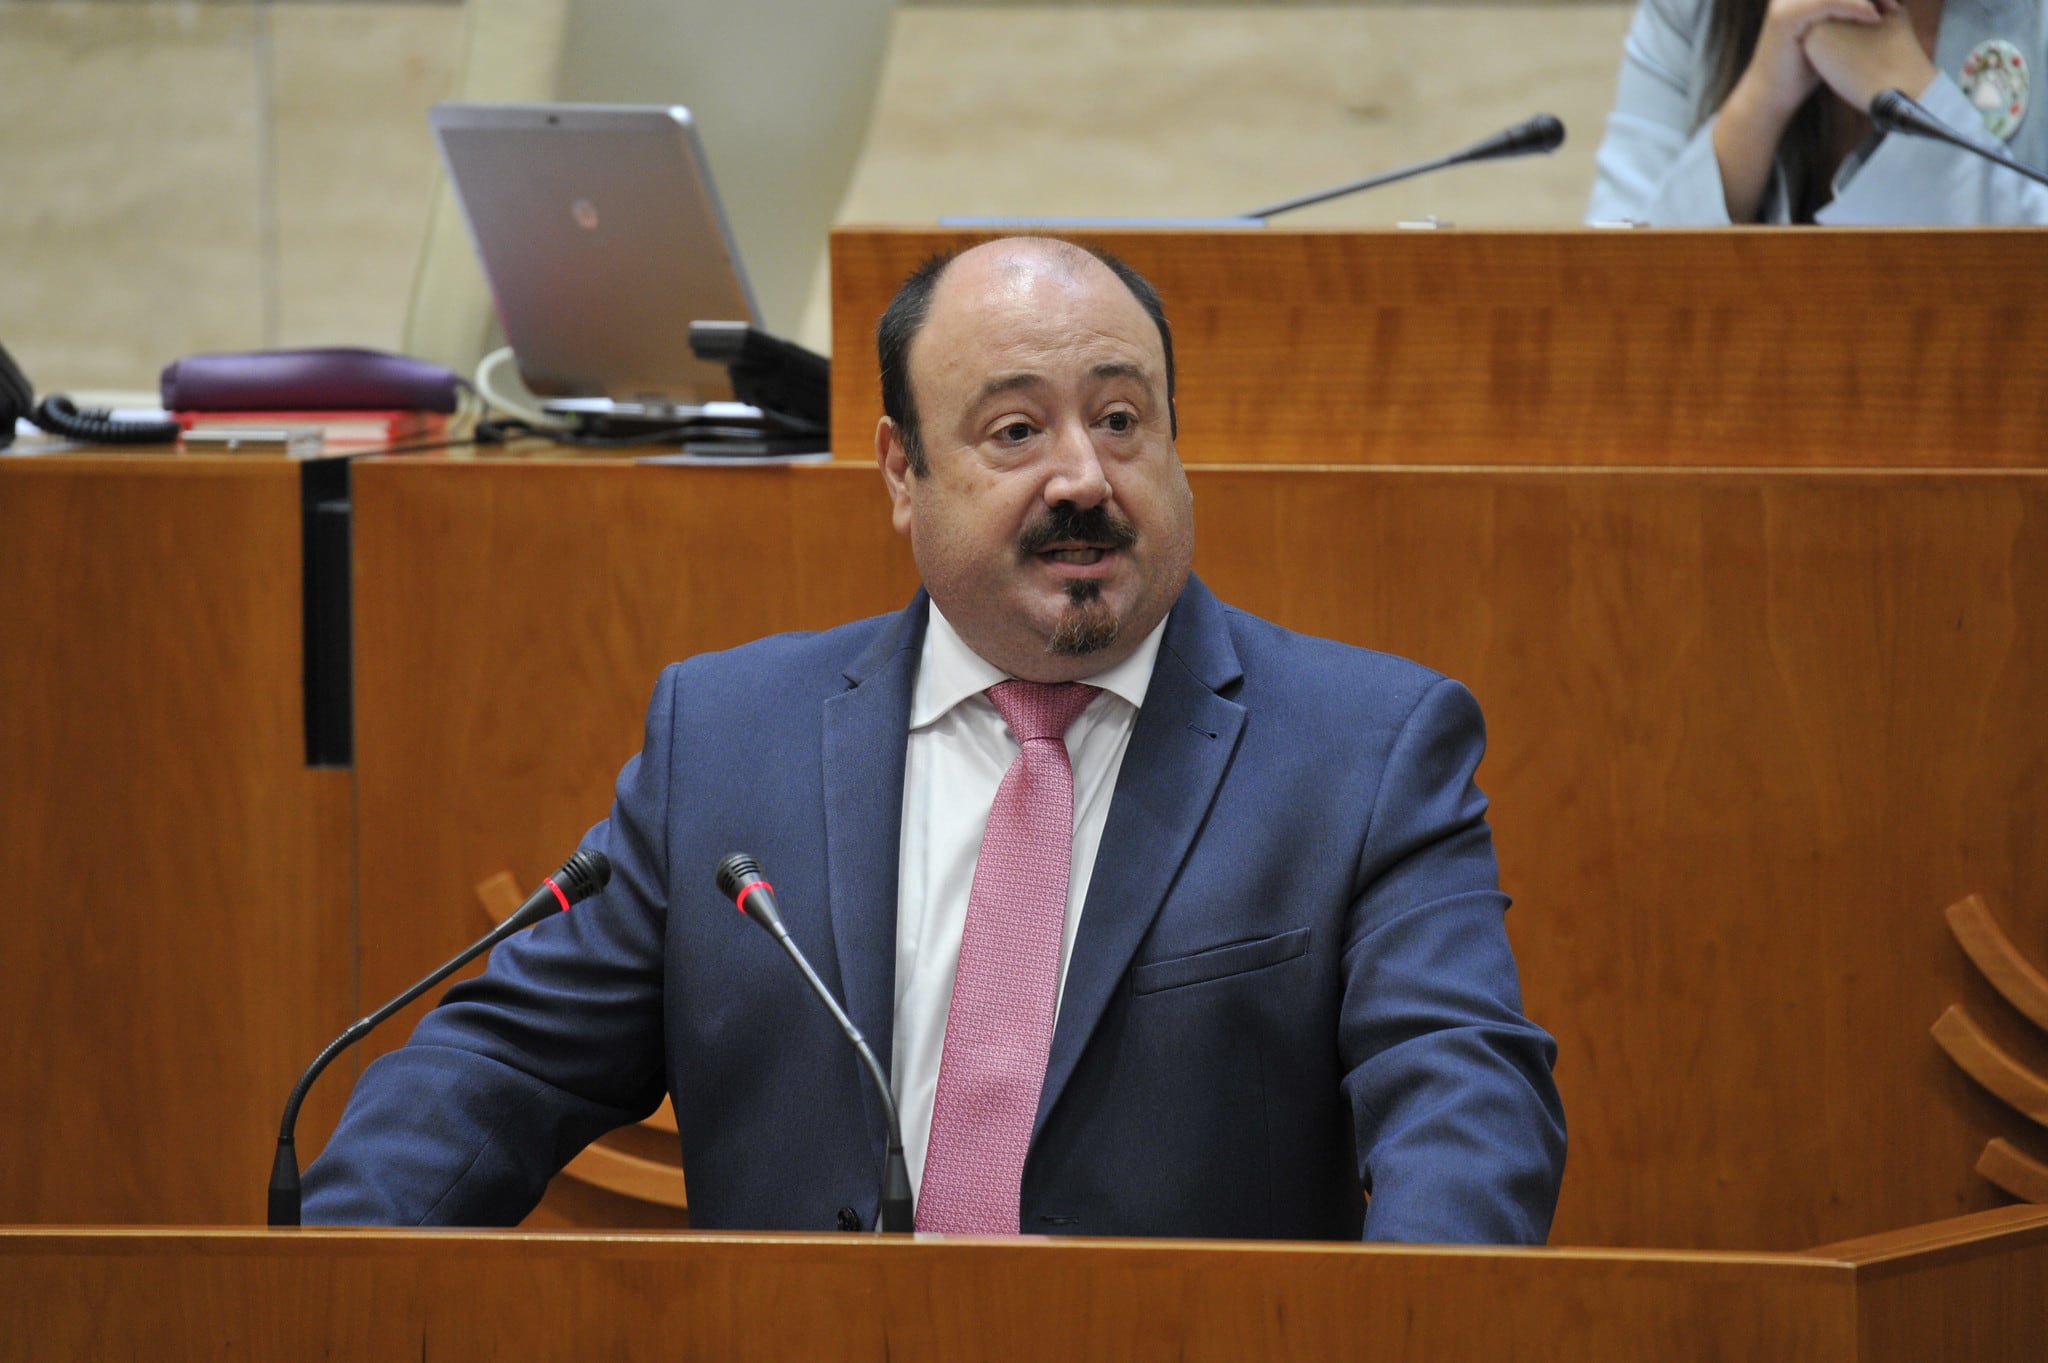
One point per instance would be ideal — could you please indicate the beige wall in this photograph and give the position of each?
(186, 177)
(180, 177)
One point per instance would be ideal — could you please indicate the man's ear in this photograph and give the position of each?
(894, 461)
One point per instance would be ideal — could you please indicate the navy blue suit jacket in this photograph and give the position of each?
(1291, 983)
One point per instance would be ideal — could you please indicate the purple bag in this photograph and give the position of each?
(334, 378)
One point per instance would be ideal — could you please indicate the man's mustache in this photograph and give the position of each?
(1067, 522)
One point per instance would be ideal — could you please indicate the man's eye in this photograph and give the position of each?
(1120, 422)
(1014, 432)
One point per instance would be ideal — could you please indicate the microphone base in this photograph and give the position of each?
(898, 1213)
(284, 1185)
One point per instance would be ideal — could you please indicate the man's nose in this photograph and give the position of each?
(1077, 474)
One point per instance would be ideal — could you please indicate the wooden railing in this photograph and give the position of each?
(1965, 1291)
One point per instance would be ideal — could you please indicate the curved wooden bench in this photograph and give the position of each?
(1985, 1061)
(2025, 1177)
(1993, 952)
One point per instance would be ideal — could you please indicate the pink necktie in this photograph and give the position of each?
(999, 1028)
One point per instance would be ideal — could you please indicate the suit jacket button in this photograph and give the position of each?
(849, 1219)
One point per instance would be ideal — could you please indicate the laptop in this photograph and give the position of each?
(602, 239)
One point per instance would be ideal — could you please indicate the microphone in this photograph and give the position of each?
(739, 879)
(581, 876)
(1894, 111)
(1541, 133)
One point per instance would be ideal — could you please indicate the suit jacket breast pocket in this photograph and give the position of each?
(1238, 958)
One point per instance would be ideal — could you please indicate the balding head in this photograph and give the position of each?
(905, 317)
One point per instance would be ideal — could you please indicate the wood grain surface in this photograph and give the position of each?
(1799, 347)
(452, 1297)
(178, 940)
(1965, 1291)
(2018, 1173)
(1973, 1287)
(1749, 733)
(2018, 980)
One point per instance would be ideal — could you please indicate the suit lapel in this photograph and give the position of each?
(864, 734)
(1179, 751)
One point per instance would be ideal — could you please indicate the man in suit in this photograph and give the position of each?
(1215, 949)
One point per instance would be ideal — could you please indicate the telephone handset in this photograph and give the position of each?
(58, 415)
(16, 397)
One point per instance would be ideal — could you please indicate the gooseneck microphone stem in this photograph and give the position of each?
(739, 879)
(896, 1203)
(1894, 111)
(1542, 133)
(1369, 182)
(583, 875)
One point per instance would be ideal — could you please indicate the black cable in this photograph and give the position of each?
(59, 415)
(504, 430)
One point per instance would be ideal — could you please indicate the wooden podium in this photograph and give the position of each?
(1964, 1291)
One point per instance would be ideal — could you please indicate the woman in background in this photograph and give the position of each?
(1757, 111)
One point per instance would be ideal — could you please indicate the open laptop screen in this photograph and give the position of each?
(602, 239)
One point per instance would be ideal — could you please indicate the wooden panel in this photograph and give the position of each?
(1750, 732)
(450, 1297)
(1972, 1290)
(1966, 1290)
(178, 931)
(511, 620)
(1577, 348)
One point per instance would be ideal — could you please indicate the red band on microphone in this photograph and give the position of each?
(560, 898)
(741, 902)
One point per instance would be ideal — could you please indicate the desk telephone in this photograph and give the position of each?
(58, 415)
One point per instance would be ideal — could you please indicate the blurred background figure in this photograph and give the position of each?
(1757, 111)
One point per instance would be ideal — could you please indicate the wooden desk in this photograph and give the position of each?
(1964, 1292)
(178, 937)
(1760, 348)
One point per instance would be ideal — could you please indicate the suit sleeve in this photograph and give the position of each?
(1917, 181)
(1459, 1127)
(1655, 165)
(557, 1042)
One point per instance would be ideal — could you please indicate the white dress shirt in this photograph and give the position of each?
(959, 748)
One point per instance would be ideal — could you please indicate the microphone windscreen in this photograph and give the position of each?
(1893, 111)
(735, 872)
(1545, 132)
(583, 874)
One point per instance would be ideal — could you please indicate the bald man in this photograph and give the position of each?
(1165, 920)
